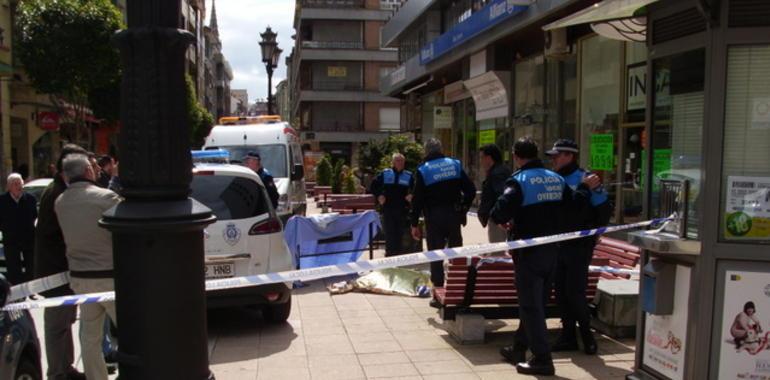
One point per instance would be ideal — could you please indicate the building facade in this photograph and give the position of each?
(282, 100)
(217, 72)
(239, 102)
(334, 73)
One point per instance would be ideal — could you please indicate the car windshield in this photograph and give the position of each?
(229, 197)
(273, 156)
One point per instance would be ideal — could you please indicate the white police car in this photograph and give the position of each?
(247, 238)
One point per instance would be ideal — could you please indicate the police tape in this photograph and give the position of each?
(351, 268)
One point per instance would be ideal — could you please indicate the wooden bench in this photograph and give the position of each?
(310, 188)
(494, 295)
(320, 191)
(347, 205)
(621, 255)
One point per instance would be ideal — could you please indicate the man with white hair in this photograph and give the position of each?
(18, 211)
(392, 189)
(89, 254)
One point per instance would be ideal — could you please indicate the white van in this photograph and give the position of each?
(277, 144)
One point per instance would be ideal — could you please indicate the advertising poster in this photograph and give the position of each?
(442, 117)
(486, 137)
(743, 346)
(602, 152)
(665, 336)
(747, 208)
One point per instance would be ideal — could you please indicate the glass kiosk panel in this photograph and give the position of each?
(746, 162)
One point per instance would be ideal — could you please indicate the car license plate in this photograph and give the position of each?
(220, 270)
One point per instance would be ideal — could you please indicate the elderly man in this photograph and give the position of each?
(392, 190)
(18, 211)
(89, 254)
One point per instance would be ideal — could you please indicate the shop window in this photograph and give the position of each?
(745, 205)
(677, 129)
(529, 97)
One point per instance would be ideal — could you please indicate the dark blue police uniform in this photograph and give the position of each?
(442, 194)
(536, 201)
(394, 186)
(267, 180)
(571, 277)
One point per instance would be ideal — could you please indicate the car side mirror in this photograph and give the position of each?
(298, 172)
(5, 290)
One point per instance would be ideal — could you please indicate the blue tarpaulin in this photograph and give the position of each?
(326, 233)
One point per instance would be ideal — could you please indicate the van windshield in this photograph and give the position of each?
(273, 156)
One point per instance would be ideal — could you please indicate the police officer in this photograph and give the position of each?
(253, 161)
(571, 277)
(442, 194)
(534, 204)
(391, 188)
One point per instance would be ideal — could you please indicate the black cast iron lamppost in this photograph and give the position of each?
(271, 53)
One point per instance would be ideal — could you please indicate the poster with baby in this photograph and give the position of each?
(745, 338)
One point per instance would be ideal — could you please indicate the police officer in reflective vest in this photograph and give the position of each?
(392, 189)
(571, 278)
(253, 161)
(535, 203)
(443, 193)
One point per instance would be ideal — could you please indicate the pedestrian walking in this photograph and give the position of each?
(571, 276)
(443, 193)
(491, 159)
(105, 173)
(89, 254)
(18, 211)
(392, 190)
(253, 161)
(51, 258)
(534, 203)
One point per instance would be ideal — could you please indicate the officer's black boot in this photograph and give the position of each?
(537, 365)
(567, 340)
(589, 343)
(515, 353)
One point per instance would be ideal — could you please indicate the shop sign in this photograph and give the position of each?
(747, 213)
(337, 71)
(486, 137)
(760, 113)
(454, 92)
(398, 75)
(442, 117)
(48, 121)
(492, 14)
(636, 88)
(744, 337)
(665, 336)
(490, 94)
(602, 151)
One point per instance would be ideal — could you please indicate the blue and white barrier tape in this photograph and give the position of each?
(348, 268)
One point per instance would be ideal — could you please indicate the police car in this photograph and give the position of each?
(247, 238)
(19, 344)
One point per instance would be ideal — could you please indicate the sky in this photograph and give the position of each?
(240, 22)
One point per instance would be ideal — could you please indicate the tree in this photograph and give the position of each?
(66, 49)
(201, 120)
(376, 155)
(323, 170)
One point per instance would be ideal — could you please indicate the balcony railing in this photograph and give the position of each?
(333, 44)
(333, 3)
(320, 85)
(337, 126)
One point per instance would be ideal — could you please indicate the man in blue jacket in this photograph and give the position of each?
(571, 277)
(392, 189)
(535, 203)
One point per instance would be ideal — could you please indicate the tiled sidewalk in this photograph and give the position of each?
(366, 336)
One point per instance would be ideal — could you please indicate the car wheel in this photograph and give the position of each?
(278, 312)
(27, 371)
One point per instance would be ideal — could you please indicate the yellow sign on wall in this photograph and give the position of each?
(337, 71)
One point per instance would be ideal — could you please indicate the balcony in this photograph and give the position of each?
(329, 85)
(337, 126)
(333, 44)
(333, 3)
(339, 10)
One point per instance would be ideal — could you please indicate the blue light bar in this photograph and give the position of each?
(214, 155)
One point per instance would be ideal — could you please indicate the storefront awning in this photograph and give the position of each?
(490, 94)
(617, 19)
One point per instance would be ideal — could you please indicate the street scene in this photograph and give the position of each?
(365, 189)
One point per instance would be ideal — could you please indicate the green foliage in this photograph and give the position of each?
(65, 47)
(337, 177)
(200, 118)
(105, 101)
(323, 171)
(376, 155)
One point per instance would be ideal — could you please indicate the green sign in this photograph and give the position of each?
(602, 152)
(486, 137)
(661, 162)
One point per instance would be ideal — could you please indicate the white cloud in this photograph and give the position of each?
(240, 22)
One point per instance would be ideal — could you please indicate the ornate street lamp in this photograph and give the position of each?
(270, 55)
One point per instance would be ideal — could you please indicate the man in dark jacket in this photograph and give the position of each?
(571, 276)
(105, 173)
(51, 258)
(535, 203)
(492, 188)
(253, 161)
(443, 193)
(391, 189)
(18, 211)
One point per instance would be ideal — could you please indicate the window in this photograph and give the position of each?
(746, 161)
(390, 119)
(229, 197)
(273, 156)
